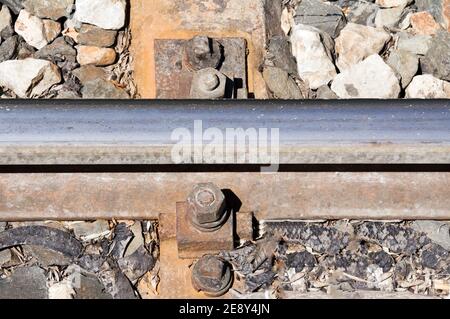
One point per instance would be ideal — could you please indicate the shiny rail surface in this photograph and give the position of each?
(93, 132)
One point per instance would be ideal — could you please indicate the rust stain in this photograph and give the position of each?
(183, 19)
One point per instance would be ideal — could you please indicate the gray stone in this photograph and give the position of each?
(90, 288)
(137, 240)
(405, 64)
(90, 230)
(281, 84)
(24, 50)
(25, 283)
(388, 17)
(371, 78)
(8, 48)
(14, 5)
(6, 27)
(3, 226)
(122, 237)
(279, 53)
(95, 36)
(137, 264)
(437, 231)
(54, 10)
(362, 12)
(87, 73)
(46, 257)
(417, 44)
(437, 59)
(326, 17)
(101, 89)
(325, 93)
(5, 257)
(58, 50)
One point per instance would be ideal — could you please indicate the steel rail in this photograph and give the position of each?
(93, 132)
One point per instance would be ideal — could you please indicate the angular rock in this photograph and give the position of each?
(54, 10)
(137, 264)
(428, 87)
(279, 53)
(95, 55)
(388, 17)
(137, 240)
(58, 50)
(46, 257)
(424, 23)
(371, 78)
(362, 12)
(356, 42)
(31, 77)
(106, 14)
(25, 283)
(51, 29)
(417, 44)
(88, 73)
(392, 3)
(440, 9)
(102, 89)
(405, 63)
(24, 50)
(14, 5)
(437, 59)
(3, 226)
(115, 282)
(326, 17)
(438, 232)
(5, 257)
(90, 288)
(314, 63)
(31, 28)
(8, 48)
(87, 231)
(61, 290)
(325, 93)
(281, 84)
(6, 29)
(95, 36)
(122, 237)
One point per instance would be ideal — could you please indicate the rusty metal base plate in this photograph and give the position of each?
(193, 243)
(173, 79)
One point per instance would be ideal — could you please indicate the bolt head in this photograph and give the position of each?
(206, 203)
(200, 46)
(211, 275)
(208, 84)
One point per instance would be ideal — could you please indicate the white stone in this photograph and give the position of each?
(106, 14)
(428, 87)
(29, 77)
(393, 3)
(356, 42)
(314, 63)
(371, 78)
(5, 18)
(32, 29)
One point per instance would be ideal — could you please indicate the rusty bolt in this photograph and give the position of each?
(202, 52)
(206, 205)
(212, 276)
(208, 84)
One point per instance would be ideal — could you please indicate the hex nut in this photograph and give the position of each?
(206, 203)
(208, 84)
(212, 276)
(202, 52)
